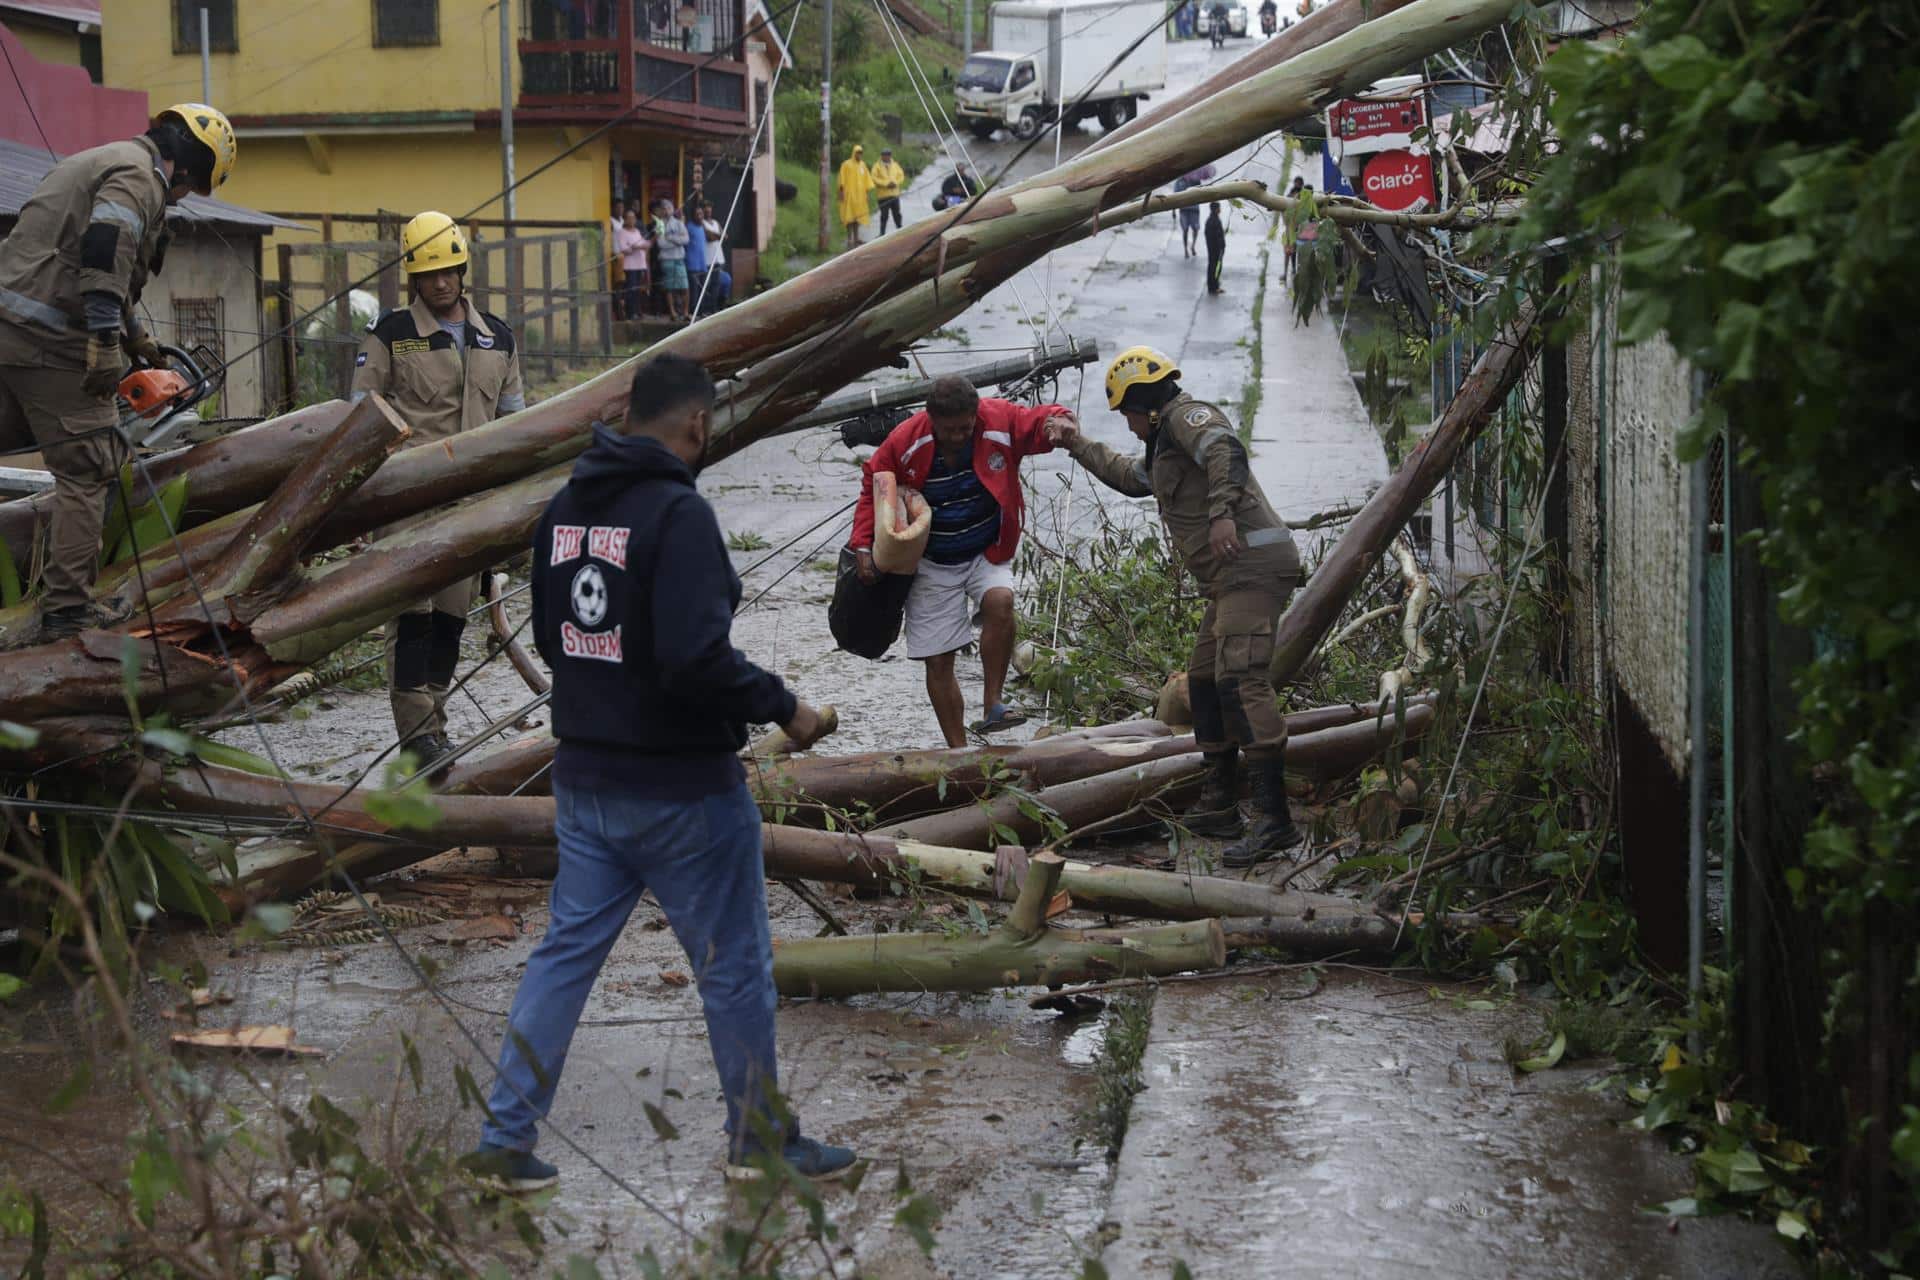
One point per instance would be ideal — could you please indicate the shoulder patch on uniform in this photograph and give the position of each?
(359, 359)
(1199, 416)
(393, 325)
(408, 346)
(502, 332)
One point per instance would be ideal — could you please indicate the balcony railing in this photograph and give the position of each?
(611, 56)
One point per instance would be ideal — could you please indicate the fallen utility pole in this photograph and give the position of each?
(1043, 361)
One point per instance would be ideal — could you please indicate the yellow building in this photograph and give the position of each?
(348, 107)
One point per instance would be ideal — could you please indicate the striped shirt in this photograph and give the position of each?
(966, 519)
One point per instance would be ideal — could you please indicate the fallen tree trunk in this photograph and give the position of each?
(351, 597)
(258, 560)
(230, 472)
(1316, 607)
(1014, 818)
(1337, 19)
(897, 785)
(1018, 819)
(1023, 951)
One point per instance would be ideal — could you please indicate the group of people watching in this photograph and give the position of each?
(668, 262)
(861, 188)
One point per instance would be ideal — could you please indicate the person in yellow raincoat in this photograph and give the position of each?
(855, 184)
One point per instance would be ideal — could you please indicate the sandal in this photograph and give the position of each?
(999, 716)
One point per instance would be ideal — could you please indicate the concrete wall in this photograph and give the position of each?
(309, 57)
(204, 263)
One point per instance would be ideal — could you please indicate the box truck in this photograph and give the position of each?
(1045, 54)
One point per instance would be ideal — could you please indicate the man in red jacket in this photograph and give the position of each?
(963, 454)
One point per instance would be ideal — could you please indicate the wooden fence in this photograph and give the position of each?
(546, 279)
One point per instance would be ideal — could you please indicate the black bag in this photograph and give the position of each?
(866, 619)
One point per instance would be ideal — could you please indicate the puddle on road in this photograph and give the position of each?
(1376, 1130)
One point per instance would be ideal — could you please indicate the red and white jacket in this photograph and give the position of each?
(1003, 433)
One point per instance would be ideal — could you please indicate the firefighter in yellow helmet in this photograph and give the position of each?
(71, 273)
(446, 367)
(1196, 469)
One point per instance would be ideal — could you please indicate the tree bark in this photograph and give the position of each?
(1023, 951)
(258, 559)
(228, 473)
(1316, 608)
(1330, 753)
(1337, 19)
(351, 597)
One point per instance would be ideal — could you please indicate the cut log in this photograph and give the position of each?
(1316, 607)
(1013, 818)
(1165, 783)
(259, 558)
(1023, 951)
(228, 473)
(897, 785)
(351, 597)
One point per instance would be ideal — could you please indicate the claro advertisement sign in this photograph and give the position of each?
(1372, 144)
(1400, 181)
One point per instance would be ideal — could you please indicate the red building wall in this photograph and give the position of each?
(73, 112)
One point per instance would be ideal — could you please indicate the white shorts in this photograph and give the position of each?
(939, 619)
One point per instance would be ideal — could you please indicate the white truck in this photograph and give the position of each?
(1044, 54)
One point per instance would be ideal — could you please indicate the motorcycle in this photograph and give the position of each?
(1268, 17)
(1217, 27)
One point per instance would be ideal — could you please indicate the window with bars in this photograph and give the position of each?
(400, 23)
(201, 321)
(222, 35)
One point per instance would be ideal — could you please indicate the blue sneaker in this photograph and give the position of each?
(816, 1160)
(510, 1172)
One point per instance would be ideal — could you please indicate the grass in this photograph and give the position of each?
(1593, 1030)
(746, 540)
(1117, 1076)
(1254, 389)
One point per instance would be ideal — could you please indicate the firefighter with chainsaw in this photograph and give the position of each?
(1196, 469)
(71, 273)
(446, 367)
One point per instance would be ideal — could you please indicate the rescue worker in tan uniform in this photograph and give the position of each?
(71, 273)
(1196, 470)
(446, 367)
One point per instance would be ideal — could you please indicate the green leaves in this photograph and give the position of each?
(1547, 1060)
(1755, 261)
(1684, 63)
(405, 805)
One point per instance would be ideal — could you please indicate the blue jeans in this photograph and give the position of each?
(701, 858)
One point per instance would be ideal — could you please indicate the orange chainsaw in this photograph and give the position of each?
(156, 402)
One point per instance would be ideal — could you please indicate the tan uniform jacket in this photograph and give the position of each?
(94, 226)
(1196, 469)
(436, 388)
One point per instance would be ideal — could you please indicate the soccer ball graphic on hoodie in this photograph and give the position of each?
(589, 595)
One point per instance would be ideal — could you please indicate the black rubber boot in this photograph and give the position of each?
(58, 624)
(1273, 832)
(427, 748)
(1217, 811)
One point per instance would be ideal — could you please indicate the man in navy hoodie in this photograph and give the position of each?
(633, 600)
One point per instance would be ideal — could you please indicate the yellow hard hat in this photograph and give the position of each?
(214, 129)
(432, 241)
(1134, 367)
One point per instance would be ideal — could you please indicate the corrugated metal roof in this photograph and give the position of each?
(23, 167)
